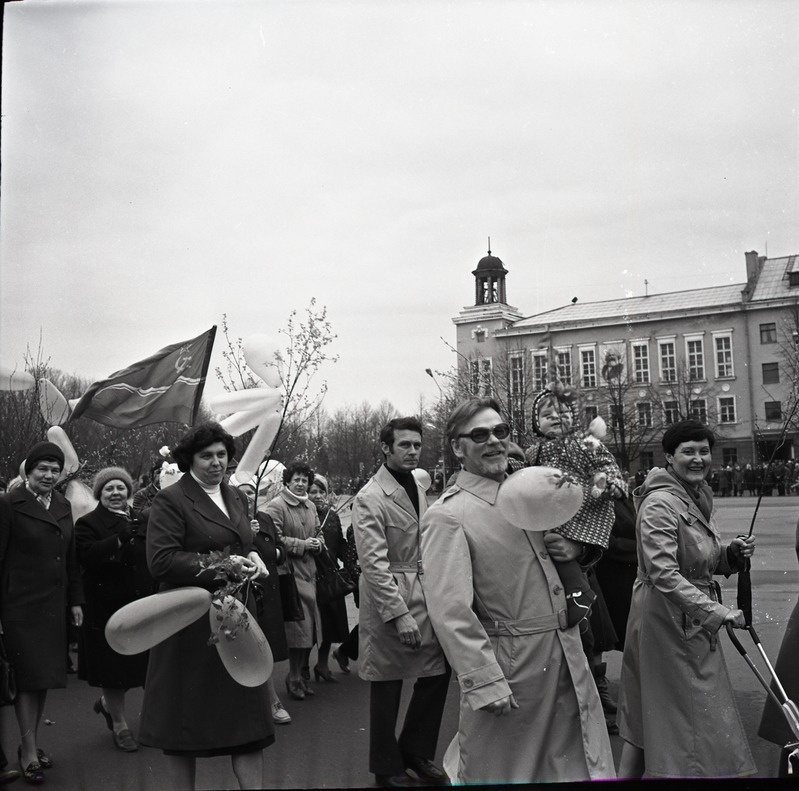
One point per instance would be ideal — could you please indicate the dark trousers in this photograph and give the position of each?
(419, 734)
(350, 646)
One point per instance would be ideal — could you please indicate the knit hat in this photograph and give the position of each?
(43, 450)
(111, 474)
(555, 391)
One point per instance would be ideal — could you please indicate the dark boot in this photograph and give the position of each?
(608, 704)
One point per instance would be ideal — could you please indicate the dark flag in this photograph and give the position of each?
(165, 387)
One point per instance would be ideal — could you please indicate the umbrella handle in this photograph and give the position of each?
(774, 678)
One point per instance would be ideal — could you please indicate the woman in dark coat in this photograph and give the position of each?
(192, 707)
(335, 626)
(111, 550)
(270, 608)
(773, 725)
(39, 582)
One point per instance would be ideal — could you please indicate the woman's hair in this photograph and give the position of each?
(200, 437)
(298, 467)
(465, 411)
(686, 431)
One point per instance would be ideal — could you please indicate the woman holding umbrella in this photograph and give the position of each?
(677, 713)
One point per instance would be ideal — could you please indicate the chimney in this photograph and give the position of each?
(752, 266)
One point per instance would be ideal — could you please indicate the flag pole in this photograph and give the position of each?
(204, 373)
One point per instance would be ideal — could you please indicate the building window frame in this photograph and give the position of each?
(539, 370)
(727, 409)
(768, 332)
(723, 354)
(482, 376)
(771, 373)
(698, 407)
(588, 372)
(641, 365)
(671, 414)
(695, 357)
(563, 363)
(643, 413)
(667, 361)
(775, 410)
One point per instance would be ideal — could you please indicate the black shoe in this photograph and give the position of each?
(99, 708)
(608, 704)
(44, 759)
(427, 772)
(9, 776)
(395, 781)
(32, 774)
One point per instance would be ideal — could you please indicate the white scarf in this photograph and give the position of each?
(214, 492)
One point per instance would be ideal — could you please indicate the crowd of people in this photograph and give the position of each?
(520, 617)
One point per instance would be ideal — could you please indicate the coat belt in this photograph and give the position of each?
(698, 583)
(541, 623)
(400, 566)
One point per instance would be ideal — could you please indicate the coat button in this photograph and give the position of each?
(557, 589)
(468, 683)
(696, 622)
(58, 557)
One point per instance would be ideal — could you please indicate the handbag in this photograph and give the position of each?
(332, 583)
(8, 678)
(290, 595)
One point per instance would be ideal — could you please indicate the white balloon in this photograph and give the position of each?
(247, 657)
(239, 422)
(422, 478)
(143, 623)
(58, 436)
(531, 499)
(15, 378)
(81, 499)
(54, 407)
(259, 353)
(169, 474)
(259, 446)
(260, 398)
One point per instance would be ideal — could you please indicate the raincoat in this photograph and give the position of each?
(499, 610)
(676, 700)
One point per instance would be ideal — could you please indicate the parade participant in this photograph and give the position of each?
(192, 707)
(335, 627)
(529, 709)
(396, 640)
(558, 444)
(673, 664)
(110, 545)
(773, 725)
(294, 516)
(39, 583)
(267, 590)
(143, 498)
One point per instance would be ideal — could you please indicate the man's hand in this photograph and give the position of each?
(408, 631)
(501, 707)
(561, 548)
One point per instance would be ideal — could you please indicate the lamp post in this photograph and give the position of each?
(430, 373)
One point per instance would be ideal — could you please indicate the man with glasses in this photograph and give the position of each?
(529, 709)
(396, 639)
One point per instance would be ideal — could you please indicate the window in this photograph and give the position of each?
(668, 361)
(646, 460)
(590, 412)
(516, 362)
(696, 358)
(565, 366)
(729, 456)
(699, 409)
(727, 409)
(773, 410)
(768, 332)
(723, 345)
(481, 377)
(671, 412)
(588, 363)
(771, 373)
(480, 336)
(615, 414)
(539, 371)
(641, 362)
(644, 409)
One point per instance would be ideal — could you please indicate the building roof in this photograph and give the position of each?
(772, 281)
(638, 307)
(489, 263)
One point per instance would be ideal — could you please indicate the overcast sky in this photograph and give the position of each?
(164, 163)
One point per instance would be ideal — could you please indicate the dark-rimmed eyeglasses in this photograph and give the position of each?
(480, 435)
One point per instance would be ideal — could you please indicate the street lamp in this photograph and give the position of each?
(430, 373)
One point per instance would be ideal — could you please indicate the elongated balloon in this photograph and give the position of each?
(531, 499)
(239, 422)
(259, 353)
(59, 437)
(143, 623)
(263, 398)
(247, 657)
(259, 446)
(54, 407)
(422, 478)
(15, 378)
(81, 499)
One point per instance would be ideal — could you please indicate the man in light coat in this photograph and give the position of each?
(530, 711)
(396, 639)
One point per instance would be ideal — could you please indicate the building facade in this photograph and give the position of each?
(725, 354)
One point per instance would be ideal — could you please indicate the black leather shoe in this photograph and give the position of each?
(395, 781)
(427, 772)
(9, 776)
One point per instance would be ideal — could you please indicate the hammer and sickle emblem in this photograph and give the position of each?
(184, 359)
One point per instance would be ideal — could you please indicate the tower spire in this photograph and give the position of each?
(489, 245)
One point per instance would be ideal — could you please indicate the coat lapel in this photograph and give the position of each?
(390, 485)
(28, 504)
(206, 507)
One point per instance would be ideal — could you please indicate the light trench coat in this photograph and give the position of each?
(386, 531)
(499, 610)
(676, 700)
